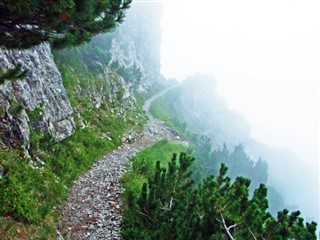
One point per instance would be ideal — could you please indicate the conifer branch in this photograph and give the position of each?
(252, 234)
(226, 228)
(147, 216)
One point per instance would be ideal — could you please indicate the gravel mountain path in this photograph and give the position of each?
(92, 210)
(147, 104)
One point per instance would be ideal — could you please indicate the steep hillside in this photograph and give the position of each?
(135, 45)
(195, 108)
(196, 103)
(103, 72)
(70, 120)
(68, 111)
(219, 134)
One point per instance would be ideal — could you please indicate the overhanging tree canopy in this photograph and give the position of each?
(25, 23)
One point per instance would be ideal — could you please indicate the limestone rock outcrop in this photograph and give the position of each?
(40, 91)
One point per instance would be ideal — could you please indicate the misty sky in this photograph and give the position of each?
(263, 55)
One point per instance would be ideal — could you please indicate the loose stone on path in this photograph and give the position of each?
(92, 210)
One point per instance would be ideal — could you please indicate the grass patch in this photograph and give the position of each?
(27, 198)
(143, 164)
(161, 111)
(11, 229)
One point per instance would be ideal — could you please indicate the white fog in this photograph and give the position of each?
(264, 57)
(159, 119)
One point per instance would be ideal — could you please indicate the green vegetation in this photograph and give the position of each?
(132, 75)
(171, 206)
(32, 187)
(63, 23)
(163, 199)
(171, 110)
(15, 108)
(196, 103)
(28, 195)
(162, 112)
(31, 190)
(155, 88)
(13, 74)
(209, 160)
(143, 162)
(83, 75)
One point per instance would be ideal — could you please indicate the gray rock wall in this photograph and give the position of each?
(41, 89)
(136, 42)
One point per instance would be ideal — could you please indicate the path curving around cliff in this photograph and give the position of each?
(93, 208)
(148, 103)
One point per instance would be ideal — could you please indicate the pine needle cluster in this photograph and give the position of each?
(25, 23)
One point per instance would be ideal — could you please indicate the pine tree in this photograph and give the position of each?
(63, 23)
(171, 206)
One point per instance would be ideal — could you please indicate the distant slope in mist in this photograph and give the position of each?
(196, 104)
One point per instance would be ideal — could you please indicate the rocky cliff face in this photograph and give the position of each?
(136, 43)
(40, 91)
(92, 90)
(90, 78)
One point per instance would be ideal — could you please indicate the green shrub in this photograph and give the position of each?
(35, 114)
(28, 194)
(16, 108)
(170, 206)
(143, 164)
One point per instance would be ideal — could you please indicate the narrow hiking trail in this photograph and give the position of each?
(147, 104)
(92, 210)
